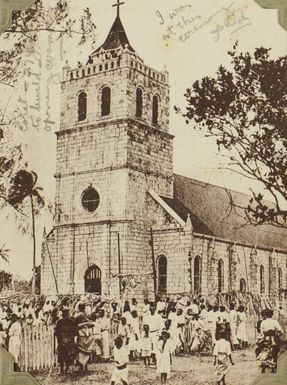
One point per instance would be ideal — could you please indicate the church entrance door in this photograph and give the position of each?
(93, 280)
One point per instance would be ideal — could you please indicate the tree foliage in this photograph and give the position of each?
(244, 109)
(5, 280)
(4, 253)
(26, 25)
(18, 183)
(56, 18)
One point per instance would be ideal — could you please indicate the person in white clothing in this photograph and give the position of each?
(155, 323)
(269, 342)
(242, 330)
(180, 324)
(194, 307)
(146, 346)
(134, 335)
(120, 374)
(134, 305)
(233, 326)
(223, 315)
(164, 356)
(14, 333)
(160, 307)
(145, 308)
(214, 318)
(222, 357)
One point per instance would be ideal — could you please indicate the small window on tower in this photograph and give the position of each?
(90, 199)
(155, 110)
(139, 103)
(82, 106)
(262, 280)
(106, 101)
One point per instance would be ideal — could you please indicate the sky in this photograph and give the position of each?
(200, 34)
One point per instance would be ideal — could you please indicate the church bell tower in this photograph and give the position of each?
(113, 146)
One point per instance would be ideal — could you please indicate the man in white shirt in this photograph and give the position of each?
(270, 324)
(155, 323)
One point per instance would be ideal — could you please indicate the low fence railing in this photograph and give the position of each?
(38, 348)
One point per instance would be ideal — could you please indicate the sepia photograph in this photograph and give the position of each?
(143, 192)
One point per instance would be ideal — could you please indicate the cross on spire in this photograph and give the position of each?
(119, 3)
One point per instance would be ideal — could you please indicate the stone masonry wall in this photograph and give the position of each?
(99, 156)
(123, 77)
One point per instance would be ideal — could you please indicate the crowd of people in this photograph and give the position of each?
(154, 332)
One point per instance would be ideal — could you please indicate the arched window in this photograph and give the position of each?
(139, 103)
(155, 110)
(262, 280)
(82, 106)
(197, 275)
(242, 286)
(93, 280)
(220, 276)
(106, 101)
(162, 274)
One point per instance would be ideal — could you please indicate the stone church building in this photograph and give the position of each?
(125, 223)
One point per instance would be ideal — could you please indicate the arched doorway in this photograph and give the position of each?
(93, 280)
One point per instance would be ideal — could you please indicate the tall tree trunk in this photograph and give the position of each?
(34, 245)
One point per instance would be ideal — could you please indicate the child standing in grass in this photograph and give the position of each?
(164, 356)
(222, 358)
(146, 346)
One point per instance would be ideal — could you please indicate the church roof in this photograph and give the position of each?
(116, 38)
(219, 211)
(181, 210)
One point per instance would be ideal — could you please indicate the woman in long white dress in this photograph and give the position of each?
(233, 326)
(105, 335)
(242, 330)
(14, 334)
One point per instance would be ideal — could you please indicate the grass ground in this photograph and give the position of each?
(186, 371)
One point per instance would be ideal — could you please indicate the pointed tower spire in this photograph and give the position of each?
(117, 36)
